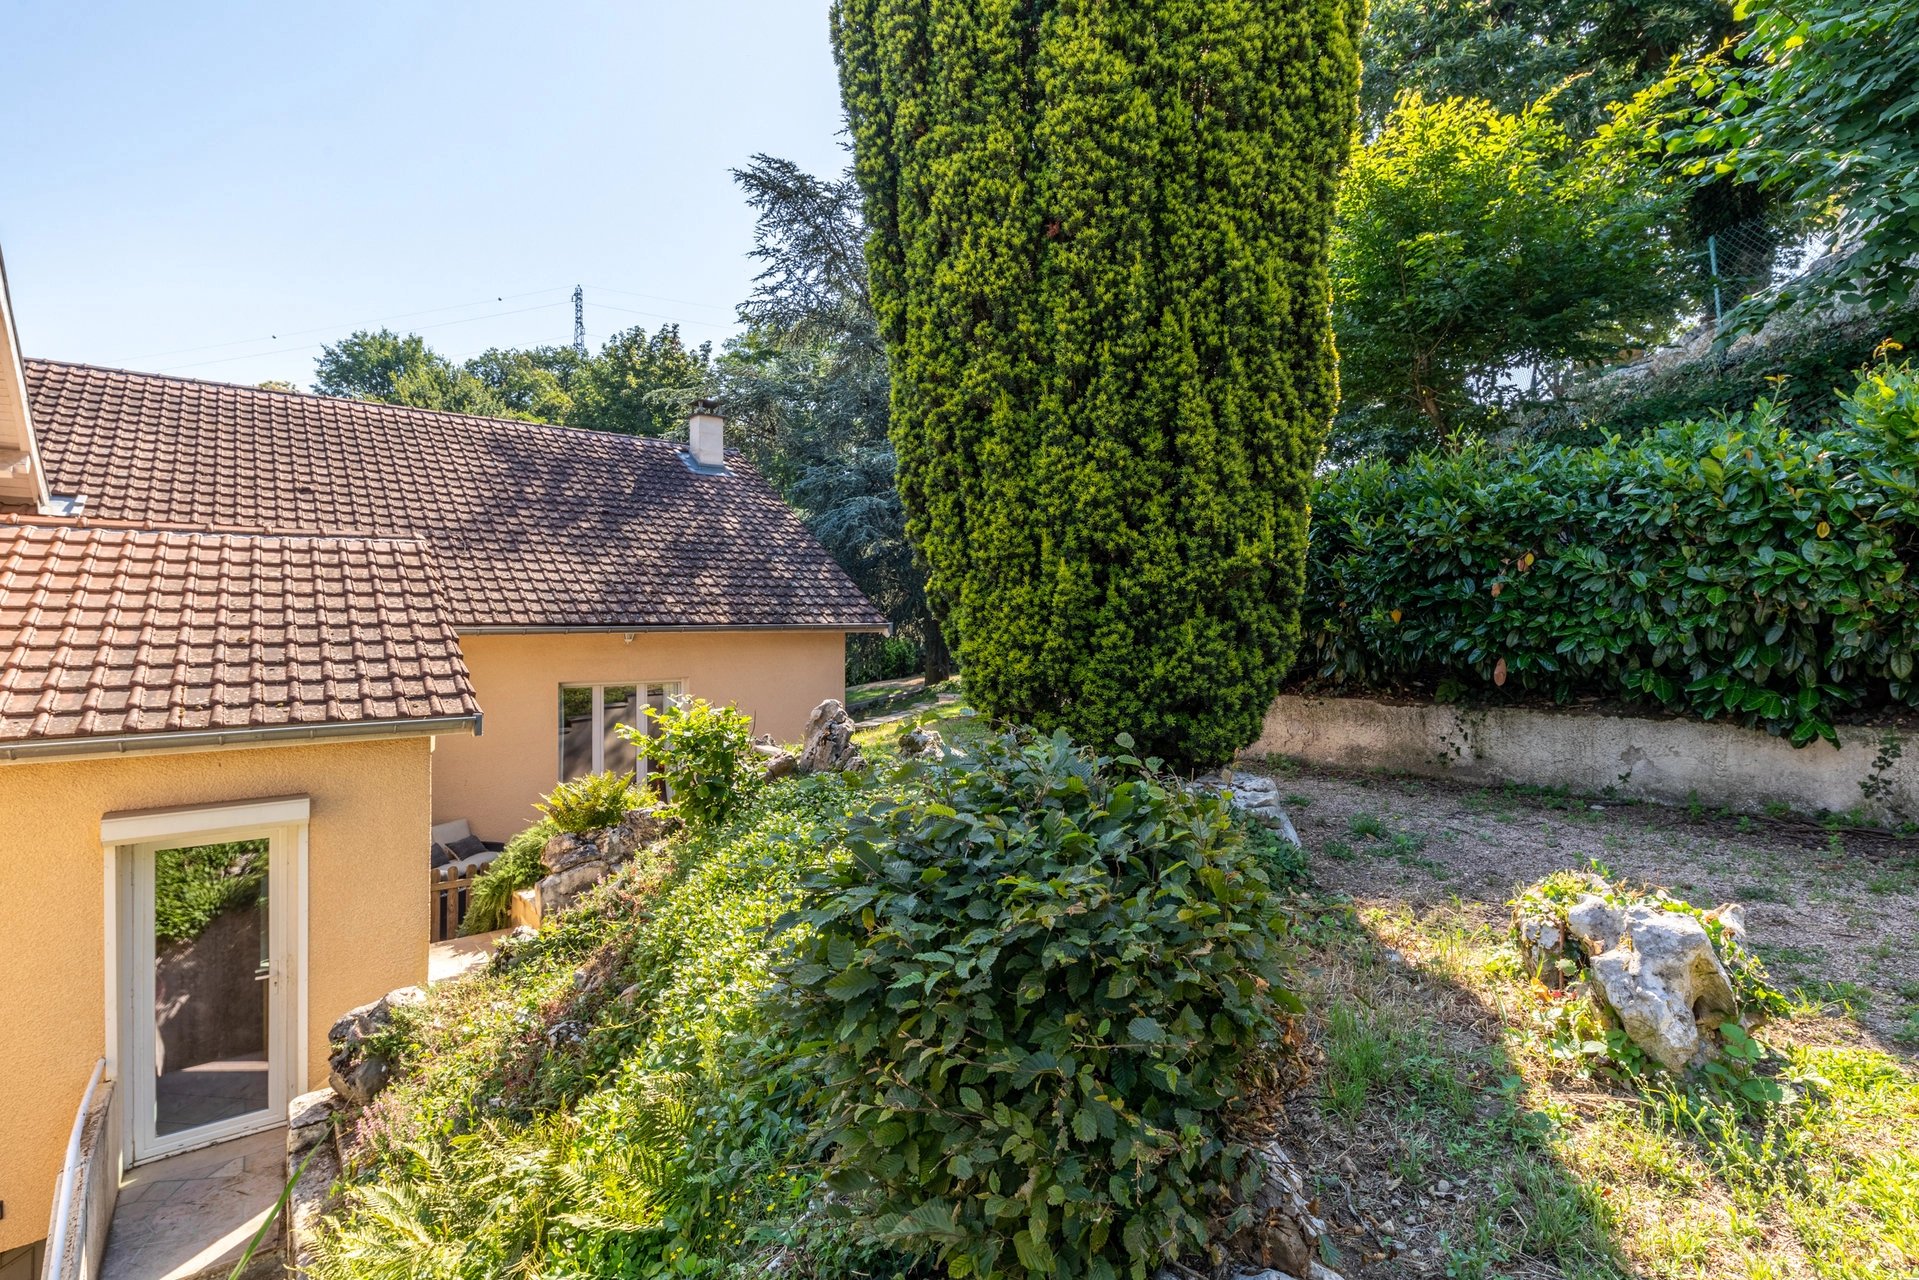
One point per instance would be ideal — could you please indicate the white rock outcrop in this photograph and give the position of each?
(1660, 976)
(829, 741)
(1254, 795)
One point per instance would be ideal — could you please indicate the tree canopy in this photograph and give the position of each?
(639, 383)
(809, 384)
(1473, 245)
(1513, 53)
(1820, 106)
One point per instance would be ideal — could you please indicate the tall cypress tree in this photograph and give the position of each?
(1098, 255)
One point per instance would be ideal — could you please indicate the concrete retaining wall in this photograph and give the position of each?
(1875, 772)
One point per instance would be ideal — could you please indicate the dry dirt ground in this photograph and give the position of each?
(1450, 1137)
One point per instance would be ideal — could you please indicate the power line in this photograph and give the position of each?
(338, 328)
(309, 346)
(655, 315)
(678, 302)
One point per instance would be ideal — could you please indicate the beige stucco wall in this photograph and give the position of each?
(366, 914)
(777, 677)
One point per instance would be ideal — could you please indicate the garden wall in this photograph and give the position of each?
(1635, 757)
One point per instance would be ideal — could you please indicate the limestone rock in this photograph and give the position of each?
(829, 741)
(922, 744)
(558, 890)
(566, 851)
(1542, 943)
(1284, 1233)
(610, 845)
(312, 1172)
(1254, 795)
(1662, 982)
(359, 1078)
(637, 830)
(783, 765)
(354, 1073)
(310, 1118)
(1597, 924)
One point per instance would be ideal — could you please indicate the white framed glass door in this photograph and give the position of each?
(209, 1010)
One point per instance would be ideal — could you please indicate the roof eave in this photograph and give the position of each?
(514, 629)
(114, 746)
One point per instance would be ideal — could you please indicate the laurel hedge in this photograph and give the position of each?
(1732, 567)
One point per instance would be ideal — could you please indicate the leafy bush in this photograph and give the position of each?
(1029, 990)
(1723, 568)
(489, 901)
(705, 755)
(591, 803)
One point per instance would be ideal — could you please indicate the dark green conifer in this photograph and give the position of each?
(1098, 256)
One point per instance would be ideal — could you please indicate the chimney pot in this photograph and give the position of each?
(706, 436)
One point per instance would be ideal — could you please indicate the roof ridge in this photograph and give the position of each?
(29, 520)
(354, 400)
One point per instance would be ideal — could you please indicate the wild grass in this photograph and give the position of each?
(1424, 1026)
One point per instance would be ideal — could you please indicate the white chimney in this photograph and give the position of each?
(706, 437)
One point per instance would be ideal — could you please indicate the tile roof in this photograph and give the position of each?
(530, 525)
(117, 631)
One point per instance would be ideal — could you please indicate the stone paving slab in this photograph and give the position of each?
(193, 1214)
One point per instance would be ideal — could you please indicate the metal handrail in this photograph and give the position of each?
(70, 1178)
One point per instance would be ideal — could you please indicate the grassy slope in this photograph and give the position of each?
(558, 1112)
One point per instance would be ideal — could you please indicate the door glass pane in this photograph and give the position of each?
(210, 984)
(577, 731)
(620, 705)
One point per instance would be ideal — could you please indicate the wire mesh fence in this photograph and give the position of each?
(1751, 258)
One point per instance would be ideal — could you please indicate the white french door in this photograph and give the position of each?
(209, 997)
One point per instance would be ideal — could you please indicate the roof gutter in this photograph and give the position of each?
(127, 744)
(871, 628)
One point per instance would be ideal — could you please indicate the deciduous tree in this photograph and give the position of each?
(1473, 244)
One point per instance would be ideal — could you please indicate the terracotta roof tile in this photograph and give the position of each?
(116, 631)
(530, 525)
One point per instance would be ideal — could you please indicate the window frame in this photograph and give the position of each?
(670, 689)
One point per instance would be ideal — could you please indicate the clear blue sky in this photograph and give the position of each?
(179, 181)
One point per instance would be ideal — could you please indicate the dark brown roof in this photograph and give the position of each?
(116, 631)
(530, 525)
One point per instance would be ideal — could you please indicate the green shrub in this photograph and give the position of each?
(705, 755)
(1723, 568)
(612, 1097)
(489, 902)
(591, 803)
(1029, 990)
